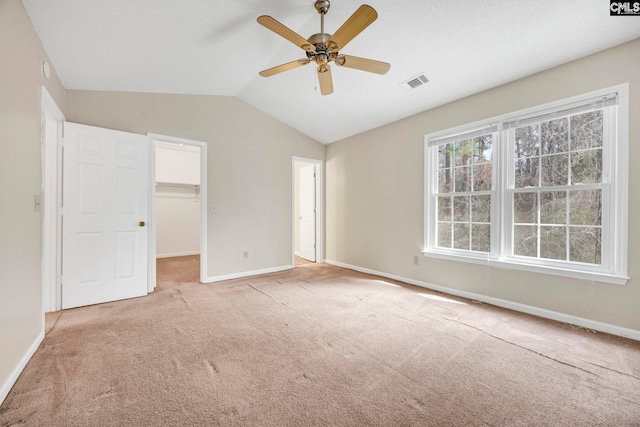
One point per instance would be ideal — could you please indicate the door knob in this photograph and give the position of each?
(141, 224)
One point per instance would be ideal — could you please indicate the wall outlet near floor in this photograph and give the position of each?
(416, 259)
(245, 254)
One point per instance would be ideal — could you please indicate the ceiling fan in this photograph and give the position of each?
(323, 48)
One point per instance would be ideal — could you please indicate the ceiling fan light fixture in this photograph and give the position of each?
(322, 59)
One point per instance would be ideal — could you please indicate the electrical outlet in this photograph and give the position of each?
(416, 260)
(245, 254)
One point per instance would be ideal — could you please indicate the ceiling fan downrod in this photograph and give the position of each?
(322, 56)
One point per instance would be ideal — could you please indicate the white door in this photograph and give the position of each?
(308, 212)
(105, 210)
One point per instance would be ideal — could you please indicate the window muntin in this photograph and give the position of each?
(558, 198)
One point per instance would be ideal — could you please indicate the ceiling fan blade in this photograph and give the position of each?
(284, 67)
(286, 32)
(363, 64)
(324, 77)
(361, 19)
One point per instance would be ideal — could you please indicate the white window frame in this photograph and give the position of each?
(432, 142)
(615, 195)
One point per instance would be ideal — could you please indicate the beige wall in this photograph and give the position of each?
(375, 197)
(249, 166)
(21, 54)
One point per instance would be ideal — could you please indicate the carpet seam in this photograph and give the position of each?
(522, 347)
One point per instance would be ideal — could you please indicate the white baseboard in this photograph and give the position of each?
(536, 311)
(177, 254)
(297, 253)
(246, 274)
(8, 384)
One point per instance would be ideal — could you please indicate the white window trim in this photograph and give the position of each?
(616, 270)
(431, 184)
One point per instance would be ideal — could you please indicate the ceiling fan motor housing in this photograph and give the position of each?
(322, 55)
(319, 39)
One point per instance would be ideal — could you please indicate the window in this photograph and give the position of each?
(544, 189)
(463, 193)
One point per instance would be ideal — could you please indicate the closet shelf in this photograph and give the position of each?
(177, 185)
(163, 189)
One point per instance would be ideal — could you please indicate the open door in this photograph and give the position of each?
(106, 209)
(308, 212)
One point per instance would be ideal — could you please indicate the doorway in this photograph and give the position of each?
(178, 243)
(52, 130)
(52, 123)
(80, 257)
(307, 210)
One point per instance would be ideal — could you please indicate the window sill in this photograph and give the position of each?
(514, 265)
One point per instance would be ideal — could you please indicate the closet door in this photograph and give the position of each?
(105, 211)
(308, 212)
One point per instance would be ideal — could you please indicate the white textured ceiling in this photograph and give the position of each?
(217, 48)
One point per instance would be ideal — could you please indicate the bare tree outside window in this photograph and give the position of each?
(464, 194)
(543, 189)
(556, 214)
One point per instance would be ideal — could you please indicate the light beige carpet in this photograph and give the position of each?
(299, 261)
(178, 269)
(320, 346)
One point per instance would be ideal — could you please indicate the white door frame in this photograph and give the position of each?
(52, 212)
(152, 203)
(51, 155)
(319, 207)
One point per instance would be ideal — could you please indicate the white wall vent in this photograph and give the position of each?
(415, 82)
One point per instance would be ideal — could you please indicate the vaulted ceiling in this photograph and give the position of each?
(217, 48)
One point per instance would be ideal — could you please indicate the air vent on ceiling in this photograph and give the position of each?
(414, 82)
